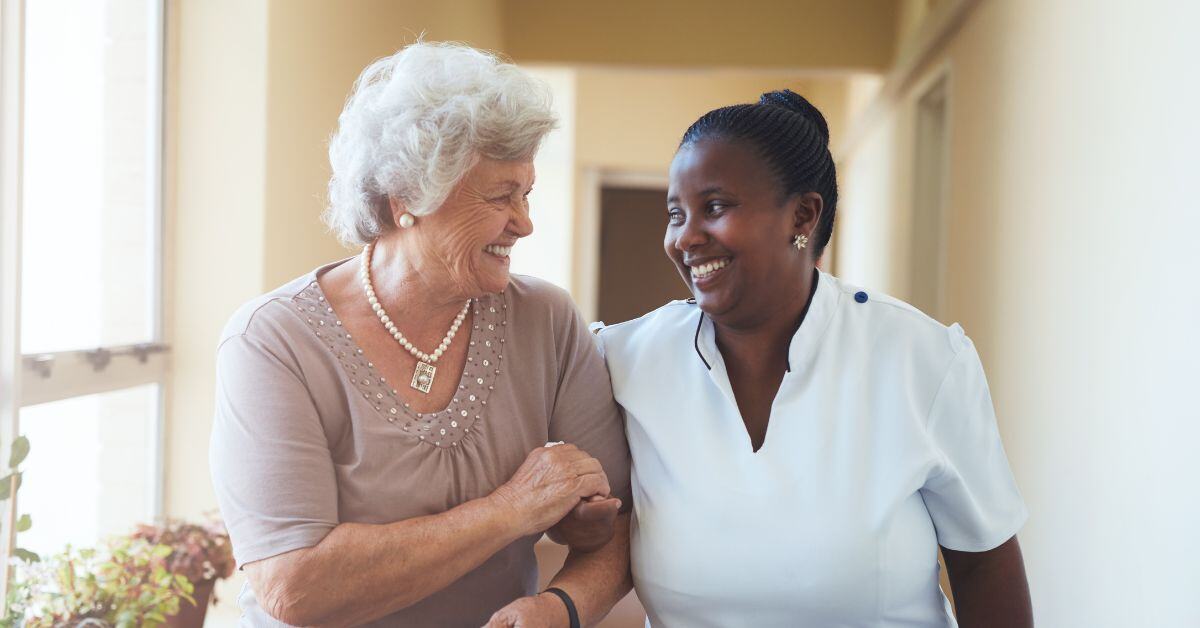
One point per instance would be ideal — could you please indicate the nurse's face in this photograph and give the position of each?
(730, 232)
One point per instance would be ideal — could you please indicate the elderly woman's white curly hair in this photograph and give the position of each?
(417, 121)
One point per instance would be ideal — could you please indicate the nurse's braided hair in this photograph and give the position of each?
(792, 136)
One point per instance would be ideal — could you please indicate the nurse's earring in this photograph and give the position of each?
(800, 241)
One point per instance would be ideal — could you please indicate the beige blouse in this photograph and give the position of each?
(308, 435)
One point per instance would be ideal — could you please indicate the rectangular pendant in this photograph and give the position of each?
(423, 377)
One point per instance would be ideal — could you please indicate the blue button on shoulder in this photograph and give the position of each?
(860, 296)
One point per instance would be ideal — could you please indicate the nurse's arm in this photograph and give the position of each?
(595, 580)
(989, 587)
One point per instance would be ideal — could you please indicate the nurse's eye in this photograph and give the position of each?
(675, 216)
(716, 207)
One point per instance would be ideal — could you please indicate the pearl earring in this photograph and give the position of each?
(800, 241)
(406, 220)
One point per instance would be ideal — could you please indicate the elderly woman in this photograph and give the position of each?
(383, 445)
(831, 438)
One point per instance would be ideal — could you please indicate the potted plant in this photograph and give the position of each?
(123, 585)
(201, 552)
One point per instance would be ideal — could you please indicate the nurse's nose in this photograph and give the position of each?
(690, 235)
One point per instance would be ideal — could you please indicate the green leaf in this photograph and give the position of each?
(6, 485)
(26, 555)
(20, 449)
(24, 523)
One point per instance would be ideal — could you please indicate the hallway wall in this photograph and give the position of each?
(1071, 259)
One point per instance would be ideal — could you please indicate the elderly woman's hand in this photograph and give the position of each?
(537, 611)
(551, 482)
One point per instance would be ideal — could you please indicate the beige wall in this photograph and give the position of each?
(214, 192)
(812, 34)
(215, 221)
(1070, 262)
(632, 120)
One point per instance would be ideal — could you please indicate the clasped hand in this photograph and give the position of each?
(563, 487)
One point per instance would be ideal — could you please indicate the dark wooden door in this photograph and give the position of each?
(635, 274)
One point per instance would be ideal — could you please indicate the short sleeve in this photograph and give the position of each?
(972, 497)
(585, 413)
(270, 461)
(595, 329)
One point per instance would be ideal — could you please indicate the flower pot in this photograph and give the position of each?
(190, 616)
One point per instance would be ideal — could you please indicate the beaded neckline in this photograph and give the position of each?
(463, 416)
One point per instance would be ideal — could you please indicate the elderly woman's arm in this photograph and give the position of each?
(595, 581)
(360, 572)
(990, 588)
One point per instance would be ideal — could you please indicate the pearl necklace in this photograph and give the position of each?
(423, 375)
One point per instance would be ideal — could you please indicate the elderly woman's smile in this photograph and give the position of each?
(499, 250)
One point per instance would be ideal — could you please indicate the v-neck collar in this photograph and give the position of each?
(804, 342)
(801, 352)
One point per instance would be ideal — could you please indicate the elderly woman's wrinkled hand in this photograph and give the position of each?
(550, 483)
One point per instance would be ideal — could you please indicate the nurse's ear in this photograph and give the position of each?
(806, 212)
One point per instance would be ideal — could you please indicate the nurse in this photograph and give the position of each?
(801, 447)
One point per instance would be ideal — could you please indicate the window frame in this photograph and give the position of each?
(30, 379)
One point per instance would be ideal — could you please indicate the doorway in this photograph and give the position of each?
(635, 275)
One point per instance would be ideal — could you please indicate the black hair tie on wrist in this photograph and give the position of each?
(572, 614)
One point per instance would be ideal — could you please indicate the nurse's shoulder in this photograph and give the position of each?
(891, 330)
(647, 334)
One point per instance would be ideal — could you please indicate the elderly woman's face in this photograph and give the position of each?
(470, 235)
(728, 233)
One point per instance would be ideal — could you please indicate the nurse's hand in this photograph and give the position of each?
(540, 611)
(550, 483)
(589, 525)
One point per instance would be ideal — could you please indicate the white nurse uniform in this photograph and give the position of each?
(882, 444)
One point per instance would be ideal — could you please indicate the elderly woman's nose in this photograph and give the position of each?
(520, 224)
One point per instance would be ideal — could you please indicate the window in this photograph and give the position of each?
(81, 350)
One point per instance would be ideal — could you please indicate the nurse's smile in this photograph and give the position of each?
(706, 271)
